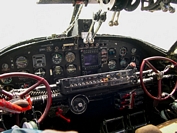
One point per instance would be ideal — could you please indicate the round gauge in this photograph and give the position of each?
(123, 62)
(70, 57)
(112, 64)
(79, 104)
(5, 66)
(104, 51)
(71, 69)
(56, 49)
(40, 72)
(112, 52)
(21, 62)
(123, 51)
(133, 50)
(56, 58)
(57, 70)
(6, 80)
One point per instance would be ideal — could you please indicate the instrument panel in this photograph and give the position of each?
(70, 57)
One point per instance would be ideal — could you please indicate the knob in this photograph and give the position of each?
(71, 85)
(90, 82)
(108, 76)
(83, 83)
(75, 85)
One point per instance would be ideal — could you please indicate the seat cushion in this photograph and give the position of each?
(148, 129)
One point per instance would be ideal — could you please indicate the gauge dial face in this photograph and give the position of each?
(40, 72)
(123, 51)
(57, 70)
(112, 64)
(71, 69)
(133, 50)
(70, 57)
(21, 62)
(57, 58)
(5, 66)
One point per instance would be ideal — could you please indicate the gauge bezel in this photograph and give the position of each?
(21, 62)
(58, 61)
(114, 64)
(125, 51)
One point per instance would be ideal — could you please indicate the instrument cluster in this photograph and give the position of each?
(70, 57)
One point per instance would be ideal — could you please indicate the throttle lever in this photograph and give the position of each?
(114, 20)
(111, 21)
(102, 19)
(167, 7)
(117, 18)
(96, 17)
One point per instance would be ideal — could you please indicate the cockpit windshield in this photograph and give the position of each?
(25, 19)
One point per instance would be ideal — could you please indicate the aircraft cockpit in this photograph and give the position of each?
(84, 78)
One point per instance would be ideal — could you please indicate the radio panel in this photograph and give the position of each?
(96, 81)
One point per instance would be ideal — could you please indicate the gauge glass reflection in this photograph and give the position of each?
(70, 57)
(21, 62)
